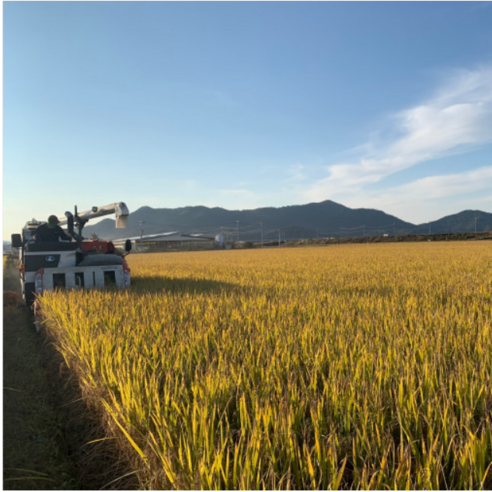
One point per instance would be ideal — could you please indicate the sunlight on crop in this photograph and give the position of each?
(364, 366)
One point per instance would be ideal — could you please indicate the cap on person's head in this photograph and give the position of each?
(53, 220)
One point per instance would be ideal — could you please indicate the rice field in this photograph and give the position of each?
(342, 367)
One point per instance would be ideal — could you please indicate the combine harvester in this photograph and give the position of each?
(75, 264)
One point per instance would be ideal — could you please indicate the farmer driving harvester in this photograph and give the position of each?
(50, 257)
(51, 231)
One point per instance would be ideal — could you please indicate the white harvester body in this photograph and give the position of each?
(81, 278)
(75, 264)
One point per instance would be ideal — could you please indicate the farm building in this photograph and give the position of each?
(170, 241)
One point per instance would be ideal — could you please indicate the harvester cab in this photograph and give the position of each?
(79, 263)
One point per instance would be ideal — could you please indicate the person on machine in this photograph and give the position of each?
(51, 231)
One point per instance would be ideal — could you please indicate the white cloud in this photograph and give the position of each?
(433, 187)
(436, 187)
(431, 197)
(457, 118)
(295, 173)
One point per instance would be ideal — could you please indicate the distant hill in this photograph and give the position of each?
(462, 222)
(324, 219)
(295, 222)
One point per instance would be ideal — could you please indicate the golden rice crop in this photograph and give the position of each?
(363, 366)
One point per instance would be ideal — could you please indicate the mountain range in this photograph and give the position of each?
(324, 219)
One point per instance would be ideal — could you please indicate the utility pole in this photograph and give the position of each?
(237, 230)
(279, 237)
(317, 232)
(476, 224)
(261, 226)
(430, 228)
(141, 223)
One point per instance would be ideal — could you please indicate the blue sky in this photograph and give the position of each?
(247, 104)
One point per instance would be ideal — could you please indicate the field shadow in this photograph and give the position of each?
(371, 291)
(155, 285)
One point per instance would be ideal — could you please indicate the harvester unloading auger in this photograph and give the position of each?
(75, 264)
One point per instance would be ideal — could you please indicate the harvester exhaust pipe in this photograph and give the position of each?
(69, 220)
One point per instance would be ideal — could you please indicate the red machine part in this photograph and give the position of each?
(96, 246)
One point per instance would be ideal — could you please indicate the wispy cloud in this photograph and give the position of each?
(457, 118)
(436, 187)
(431, 197)
(295, 173)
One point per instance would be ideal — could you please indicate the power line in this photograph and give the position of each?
(248, 231)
